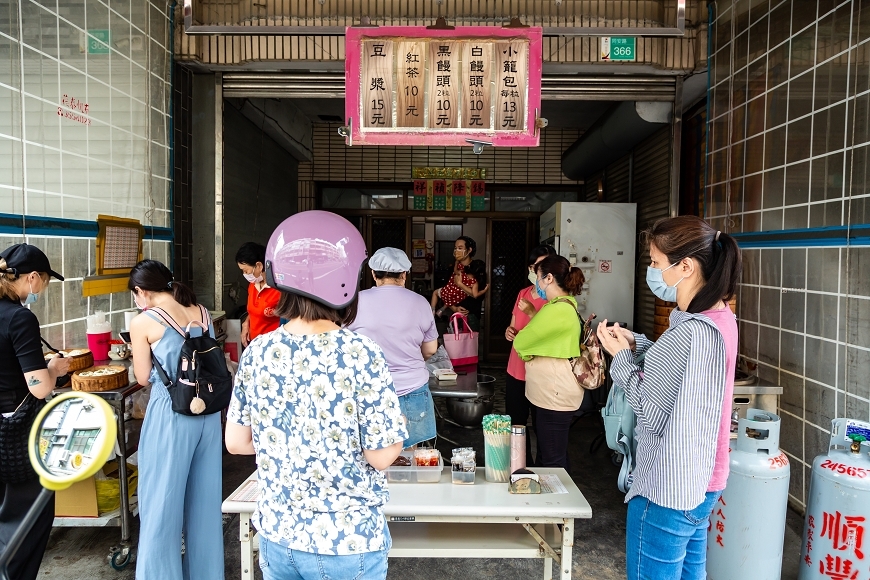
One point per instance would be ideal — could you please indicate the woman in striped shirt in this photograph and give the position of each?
(682, 399)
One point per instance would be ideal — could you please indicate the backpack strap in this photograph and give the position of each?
(167, 319)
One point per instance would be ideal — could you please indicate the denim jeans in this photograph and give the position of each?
(419, 408)
(280, 563)
(667, 544)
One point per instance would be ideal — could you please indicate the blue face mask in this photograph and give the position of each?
(656, 282)
(32, 297)
(541, 294)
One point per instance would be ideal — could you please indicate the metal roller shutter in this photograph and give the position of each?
(651, 191)
(616, 183)
(306, 84)
(590, 186)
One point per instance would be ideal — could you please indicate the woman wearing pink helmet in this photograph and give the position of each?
(315, 403)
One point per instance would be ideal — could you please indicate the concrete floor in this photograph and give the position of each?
(599, 553)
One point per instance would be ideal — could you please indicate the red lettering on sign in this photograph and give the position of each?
(837, 568)
(844, 532)
(843, 469)
(779, 461)
(77, 106)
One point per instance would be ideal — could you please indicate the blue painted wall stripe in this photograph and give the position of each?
(16, 224)
(857, 235)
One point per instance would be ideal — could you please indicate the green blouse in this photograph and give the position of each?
(554, 331)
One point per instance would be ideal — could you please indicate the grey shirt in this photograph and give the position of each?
(678, 401)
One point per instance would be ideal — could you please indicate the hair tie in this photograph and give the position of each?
(717, 235)
(169, 284)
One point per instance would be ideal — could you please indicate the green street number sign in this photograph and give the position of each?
(98, 42)
(619, 48)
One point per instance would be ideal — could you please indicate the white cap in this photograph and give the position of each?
(391, 260)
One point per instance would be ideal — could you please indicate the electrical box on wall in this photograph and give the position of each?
(600, 239)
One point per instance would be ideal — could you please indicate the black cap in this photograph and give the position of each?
(24, 258)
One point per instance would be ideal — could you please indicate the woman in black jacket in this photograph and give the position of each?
(25, 381)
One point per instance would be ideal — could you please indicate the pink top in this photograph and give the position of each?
(516, 367)
(726, 322)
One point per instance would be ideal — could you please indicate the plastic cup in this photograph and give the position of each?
(98, 343)
(497, 452)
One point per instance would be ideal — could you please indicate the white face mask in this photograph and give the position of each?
(136, 302)
(252, 279)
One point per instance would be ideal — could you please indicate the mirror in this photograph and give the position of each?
(71, 438)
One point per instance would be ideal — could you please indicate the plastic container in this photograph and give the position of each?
(99, 332)
(98, 344)
(414, 473)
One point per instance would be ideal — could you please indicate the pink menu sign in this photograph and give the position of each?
(410, 85)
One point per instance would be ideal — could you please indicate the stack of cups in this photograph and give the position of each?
(497, 447)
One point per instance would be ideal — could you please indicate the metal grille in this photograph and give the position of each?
(182, 153)
(325, 25)
(389, 233)
(337, 14)
(508, 275)
(652, 186)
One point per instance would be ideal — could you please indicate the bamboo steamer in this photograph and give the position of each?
(663, 315)
(118, 379)
(77, 362)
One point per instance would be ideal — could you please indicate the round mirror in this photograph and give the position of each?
(71, 439)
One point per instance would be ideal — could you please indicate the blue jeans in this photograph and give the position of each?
(667, 544)
(280, 563)
(419, 408)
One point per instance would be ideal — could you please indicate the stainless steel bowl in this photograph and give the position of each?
(485, 385)
(469, 412)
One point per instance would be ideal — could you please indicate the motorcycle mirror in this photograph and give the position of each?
(71, 439)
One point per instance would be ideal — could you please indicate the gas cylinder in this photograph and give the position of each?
(747, 525)
(838, 507)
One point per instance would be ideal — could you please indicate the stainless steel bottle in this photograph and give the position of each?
(518, 447)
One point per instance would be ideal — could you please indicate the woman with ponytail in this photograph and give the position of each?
(179, 455)
(682, 398)
(546, 344)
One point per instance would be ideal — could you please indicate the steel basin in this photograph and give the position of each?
(469, 412)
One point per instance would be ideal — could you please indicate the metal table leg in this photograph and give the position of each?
(246, 535)
(122, 474)
(567, 549)
(445, 420)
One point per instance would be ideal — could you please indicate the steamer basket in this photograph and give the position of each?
(79, 362)
(89, 384)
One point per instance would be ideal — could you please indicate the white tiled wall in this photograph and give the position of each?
(789, 150)
(111, 158)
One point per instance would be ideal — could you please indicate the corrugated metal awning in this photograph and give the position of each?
(554, 87)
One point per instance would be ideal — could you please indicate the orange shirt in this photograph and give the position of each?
(261, 310)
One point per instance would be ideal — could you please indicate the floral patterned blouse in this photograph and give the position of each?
(313, 403)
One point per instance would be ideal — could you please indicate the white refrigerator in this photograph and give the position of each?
(600, 239)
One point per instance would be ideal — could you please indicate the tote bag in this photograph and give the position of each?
(460, 346)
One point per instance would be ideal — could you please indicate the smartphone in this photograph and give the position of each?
(125, 336)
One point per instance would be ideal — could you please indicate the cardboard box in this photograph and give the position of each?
(78, 500)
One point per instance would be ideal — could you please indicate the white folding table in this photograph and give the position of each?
(446, 520)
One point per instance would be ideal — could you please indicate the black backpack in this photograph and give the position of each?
(203, 385)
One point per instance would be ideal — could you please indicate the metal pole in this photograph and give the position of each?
(26, 525)
(676, 138)
(122, 475)
(218, 192)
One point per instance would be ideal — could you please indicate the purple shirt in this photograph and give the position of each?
(399, 321)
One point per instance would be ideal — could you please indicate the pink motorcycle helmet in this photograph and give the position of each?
(316, 254)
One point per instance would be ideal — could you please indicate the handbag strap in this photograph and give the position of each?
(454, 322)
